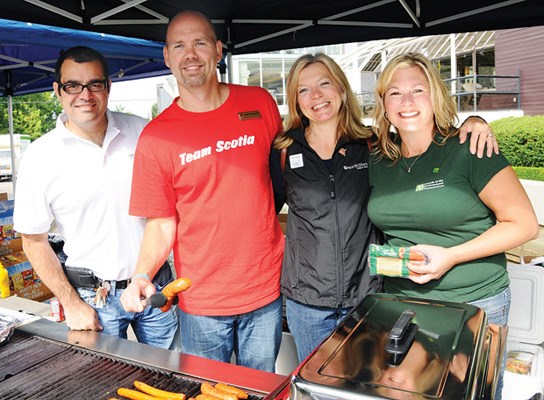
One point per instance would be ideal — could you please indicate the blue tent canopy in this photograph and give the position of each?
(28, 53)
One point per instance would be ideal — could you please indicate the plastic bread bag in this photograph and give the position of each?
(393, 261)
(7, 326)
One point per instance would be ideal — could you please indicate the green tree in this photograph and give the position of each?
(154, 110)
(33, 114)
(121, 108)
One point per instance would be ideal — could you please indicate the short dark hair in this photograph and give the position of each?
(81, 54)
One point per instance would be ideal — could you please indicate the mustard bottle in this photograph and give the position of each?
(4, 282)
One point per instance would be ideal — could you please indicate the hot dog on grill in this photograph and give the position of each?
(207, 388)
(163, 394)
(232, 390)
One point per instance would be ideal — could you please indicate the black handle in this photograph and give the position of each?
(401, 337)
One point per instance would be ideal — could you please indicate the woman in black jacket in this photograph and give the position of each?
(326, 183)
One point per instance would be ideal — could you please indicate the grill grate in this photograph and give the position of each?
(66, 372)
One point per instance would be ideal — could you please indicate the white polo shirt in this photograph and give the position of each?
(85, 189)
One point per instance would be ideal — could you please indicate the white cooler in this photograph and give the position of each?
(526, 331)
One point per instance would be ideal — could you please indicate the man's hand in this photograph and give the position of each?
(480, 137)
(81, 317)
(139, 288)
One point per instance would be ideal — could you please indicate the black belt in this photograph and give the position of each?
(118, 284)
(85, 278)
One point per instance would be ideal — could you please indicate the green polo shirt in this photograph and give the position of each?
(437, 203)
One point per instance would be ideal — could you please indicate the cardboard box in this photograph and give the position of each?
(23, 281)
(11, 246)
(7, 234)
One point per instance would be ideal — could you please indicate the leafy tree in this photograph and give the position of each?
(33, 114)
(154, 110)
(121, 108)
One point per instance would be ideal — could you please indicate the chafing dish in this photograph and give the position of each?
(392, 347)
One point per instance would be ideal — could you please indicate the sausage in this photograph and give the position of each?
(179, 285)
(231, 389)
(207, 388)
(163, 394)
(136, 395)
(206, 397)
(172, 289)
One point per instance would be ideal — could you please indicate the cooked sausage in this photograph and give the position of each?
(207, 388)
(136, 395)
(206, 397)
(172, 289)
(144, 387)
(231, 389)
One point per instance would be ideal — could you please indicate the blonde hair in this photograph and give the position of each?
(444, 108)
(349, 115)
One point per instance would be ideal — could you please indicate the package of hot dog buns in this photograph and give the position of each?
(392, 261)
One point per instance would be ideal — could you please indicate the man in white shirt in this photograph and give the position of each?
(79, 176)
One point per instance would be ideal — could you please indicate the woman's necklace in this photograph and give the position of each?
(412, 164)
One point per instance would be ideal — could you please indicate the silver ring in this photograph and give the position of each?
(489, 135)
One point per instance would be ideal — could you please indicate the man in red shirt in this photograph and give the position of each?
(201, 178)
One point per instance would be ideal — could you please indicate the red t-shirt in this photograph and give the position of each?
(211, 170)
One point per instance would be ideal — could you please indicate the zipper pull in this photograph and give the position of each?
(333, 194)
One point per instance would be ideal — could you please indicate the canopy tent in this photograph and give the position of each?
(251, 26)
(28, 53)
(130, 32)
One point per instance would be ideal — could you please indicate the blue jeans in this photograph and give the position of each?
(151, 326)
(497, 308)
(311, 325)
(254, 337)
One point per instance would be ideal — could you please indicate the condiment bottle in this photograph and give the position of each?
(4, 282)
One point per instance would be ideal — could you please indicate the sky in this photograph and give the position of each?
(137, 96)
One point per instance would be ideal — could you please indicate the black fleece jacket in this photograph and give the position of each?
(328, 230)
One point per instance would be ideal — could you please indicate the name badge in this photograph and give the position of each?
(295, 161)
(249, 115)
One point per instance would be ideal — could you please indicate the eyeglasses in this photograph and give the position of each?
(76, 88)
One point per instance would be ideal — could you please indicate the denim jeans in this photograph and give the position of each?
(151, 326)
(311, 325)
(254, 337)
(497, 308)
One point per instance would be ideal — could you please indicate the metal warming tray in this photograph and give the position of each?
(392, 347)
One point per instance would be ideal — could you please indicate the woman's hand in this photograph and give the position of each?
(439, 262)
(481, 136)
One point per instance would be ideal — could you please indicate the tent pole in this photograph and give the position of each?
(229, 66)
(9, 91)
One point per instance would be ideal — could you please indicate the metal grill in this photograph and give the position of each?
(33, 367)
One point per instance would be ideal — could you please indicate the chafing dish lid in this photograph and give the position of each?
(435, 341)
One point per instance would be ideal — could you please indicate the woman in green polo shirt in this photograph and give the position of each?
(429, 192)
